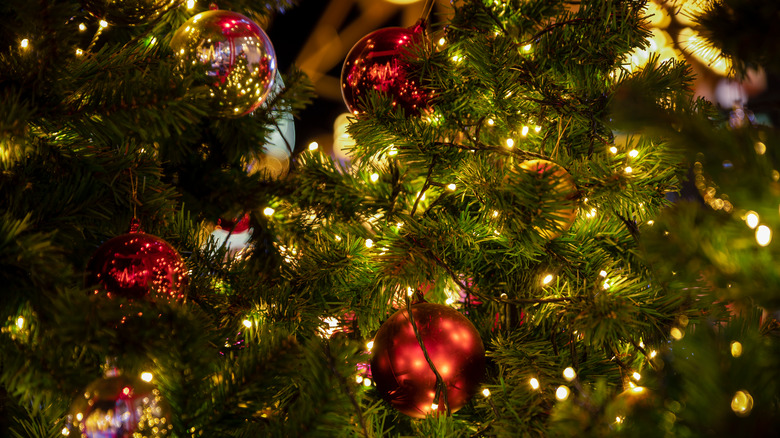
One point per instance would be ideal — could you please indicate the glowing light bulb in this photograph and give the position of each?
(369, 346)
(79, 52)
(268, 211)
(534, 383)
(366, 382)
(633, 153)
(24, 43)
(651, 222)
(451, 187)
(20, 322)
(82, 27)
(524, 131)
(547, 279)
(190, 4)
(569, 374)
(760, 148)
(603, 273)
(486, 392)
(742, 403)
(510, 143)
(653, 354)
(434, 406)
(527, 48)
(537, 128)
(613, 149)
(65, 431)
(751, 218)
(636, 376)
(629, 169)
(491, 122)
(369, 243)
(313, 146)
(247, 323)
(442, 41)
(393, 151)
(103, 24)
(736, 349)
(676, 333)
(763, 235)
(562, 393)
(374, 177)
(146, 376)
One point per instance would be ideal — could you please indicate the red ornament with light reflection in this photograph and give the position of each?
(402, 374)
(238, 57)
(138, 265)
(118, 406)
(377, 63)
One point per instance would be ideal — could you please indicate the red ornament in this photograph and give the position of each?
(137, 264)
(239, 58)
(401, 372)
(377, 62)
(120, 407)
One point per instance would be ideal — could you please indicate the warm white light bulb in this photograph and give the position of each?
(534, 383)
(268, 211)
(510, 143)
(763, 235)
(562, 393)
(25, 43)
(569, 374)
(146, 376)
(633, 153)
(547, 279)
(374, 177)
(369, 243)
(613, 149)
(451, 187)
(751, 218)
(20, 322)
(486, 392)
(247, 323)
(313, 146)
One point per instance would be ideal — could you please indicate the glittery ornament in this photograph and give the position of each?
(377, 63)
(563, 194)
(138, 265)
(120, 407)
(129, 12)
(239, 59)
(401, 372)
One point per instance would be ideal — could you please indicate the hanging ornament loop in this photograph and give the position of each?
(441, 387)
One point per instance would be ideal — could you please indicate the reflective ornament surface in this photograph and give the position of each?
(279, 142)
(237, 55)
(232, 235)
(120, 407)
(377, 63)
(562, 193)
(129, 12)
(138, 265)
(401, 372)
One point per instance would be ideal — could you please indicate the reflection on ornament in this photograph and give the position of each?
(239, 59)
(137, 265)
(120, 407)
(402, 374)
(377, 63)
(233, 235)
(129, 12)
(279, 143)
(342, 141)
(562, 193)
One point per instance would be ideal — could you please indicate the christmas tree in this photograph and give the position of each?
(512, 250)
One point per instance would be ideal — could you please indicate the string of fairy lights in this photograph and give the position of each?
(661, 16)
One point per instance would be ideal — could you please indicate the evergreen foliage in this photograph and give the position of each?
(435, 203)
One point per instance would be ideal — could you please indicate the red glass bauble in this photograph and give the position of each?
(403, 376)
(377, 63)
(138, 265)
(238, 56)
(120, 407)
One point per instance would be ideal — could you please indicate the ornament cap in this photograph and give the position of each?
(135, 226)
(419, 27)
(213, 6)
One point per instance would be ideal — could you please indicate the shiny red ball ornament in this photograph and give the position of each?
(138, 265)
(377, 62)
(238, 57)
(120, 407)
(403, 376)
